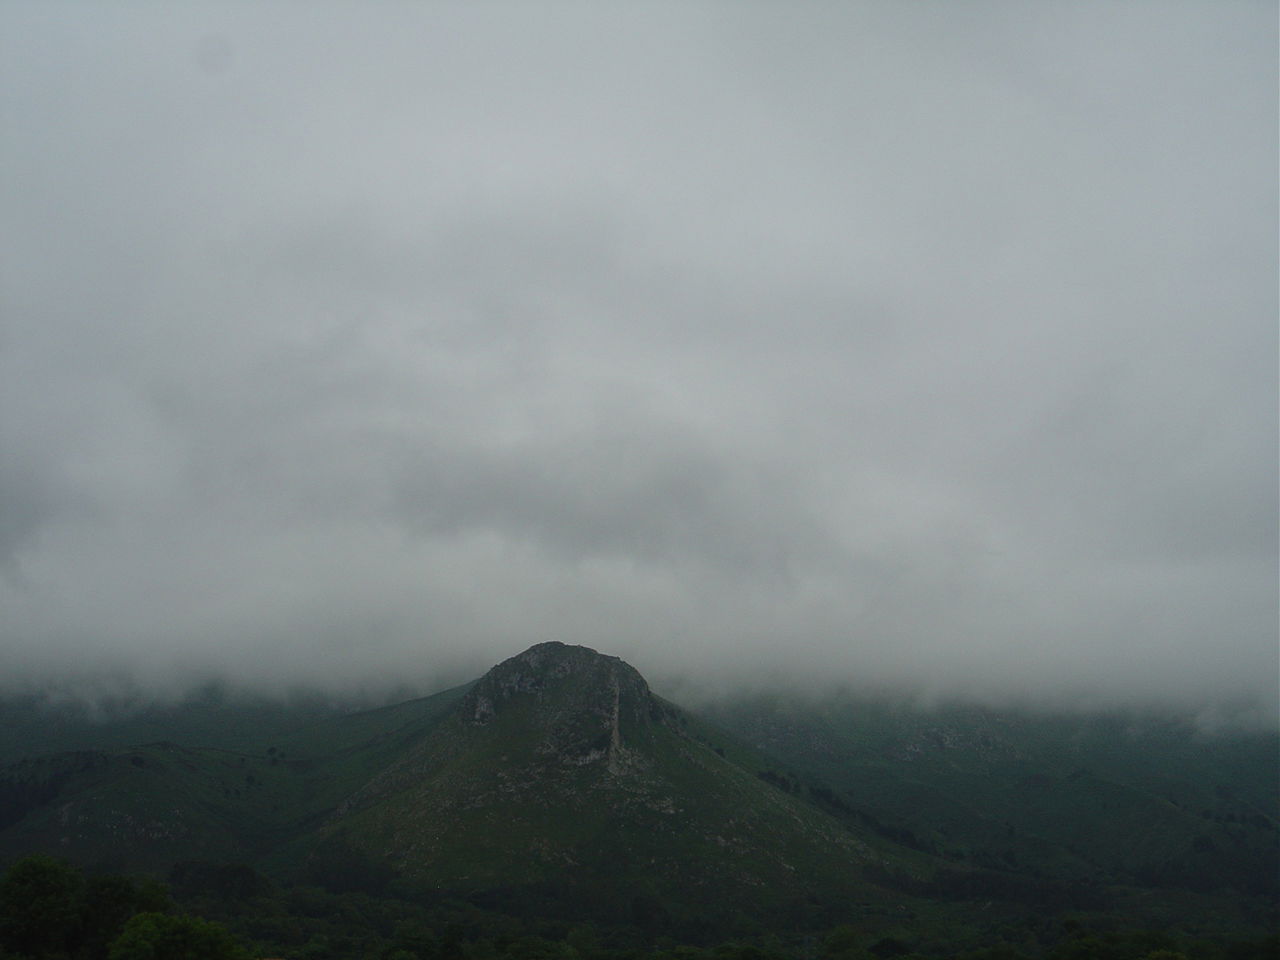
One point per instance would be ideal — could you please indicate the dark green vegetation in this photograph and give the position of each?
(37, 723)
(1142, 802)
(50, 909)
(557, 805)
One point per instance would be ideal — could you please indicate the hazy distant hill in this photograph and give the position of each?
(1147, 801)
(150, 805)
(560, 783)
(36, 723)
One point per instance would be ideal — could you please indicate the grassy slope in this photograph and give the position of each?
(1133, 801)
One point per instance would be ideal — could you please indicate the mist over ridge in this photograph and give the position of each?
(108, 697)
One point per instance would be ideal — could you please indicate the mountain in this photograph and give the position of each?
(559, 785)
(561, 770)
(557, 779)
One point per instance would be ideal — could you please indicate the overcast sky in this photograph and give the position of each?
(930, 344)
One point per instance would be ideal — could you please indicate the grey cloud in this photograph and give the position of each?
(616, 488)
(924, 346)
(27, 506)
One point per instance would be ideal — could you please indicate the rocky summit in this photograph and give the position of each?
(592, 708)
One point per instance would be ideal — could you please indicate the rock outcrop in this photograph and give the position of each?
(591, 707)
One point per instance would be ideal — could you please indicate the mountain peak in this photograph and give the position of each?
(590, 706)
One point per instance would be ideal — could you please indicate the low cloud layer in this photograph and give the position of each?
(911, 345)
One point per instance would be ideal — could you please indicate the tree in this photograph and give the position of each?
(160, 936)
(40, 907)
(107, 903)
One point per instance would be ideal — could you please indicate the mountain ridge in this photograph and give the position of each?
(560, 777)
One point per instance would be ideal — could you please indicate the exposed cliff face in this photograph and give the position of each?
(591, 707)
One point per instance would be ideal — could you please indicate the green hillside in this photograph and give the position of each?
(151, 805)
(1140, 801)
(562, 768)
(559, 786)
(557, 779)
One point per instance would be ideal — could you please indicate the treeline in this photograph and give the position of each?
(51, 910)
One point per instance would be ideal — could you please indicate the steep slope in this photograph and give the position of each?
(562, 771)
